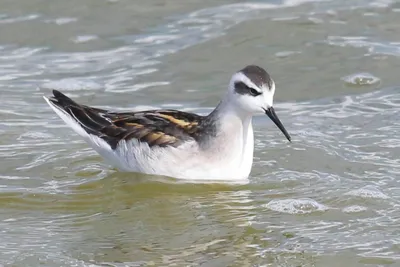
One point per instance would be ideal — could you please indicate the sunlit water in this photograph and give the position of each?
(329, 198)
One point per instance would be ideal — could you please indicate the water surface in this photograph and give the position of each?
(330, 198)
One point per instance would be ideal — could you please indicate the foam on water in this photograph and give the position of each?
(368, 192)
(296, 206)
(361, 79)
(354, 209)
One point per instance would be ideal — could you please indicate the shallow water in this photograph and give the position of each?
(330, 198)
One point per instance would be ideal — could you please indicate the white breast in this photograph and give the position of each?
(227, 157)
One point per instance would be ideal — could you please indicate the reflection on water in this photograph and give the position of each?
(330, 198)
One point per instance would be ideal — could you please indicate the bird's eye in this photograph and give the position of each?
(254, 92)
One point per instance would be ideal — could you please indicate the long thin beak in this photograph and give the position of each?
(272, 115)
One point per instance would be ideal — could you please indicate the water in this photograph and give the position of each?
(330, 198)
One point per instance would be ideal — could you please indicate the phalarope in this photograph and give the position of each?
(178, 144)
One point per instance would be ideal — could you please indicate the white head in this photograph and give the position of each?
(251, 90)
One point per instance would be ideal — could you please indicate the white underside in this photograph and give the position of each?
(228, 158)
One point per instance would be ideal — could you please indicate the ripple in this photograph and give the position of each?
(361, 79)
(283, 54)
(372, 46)
(156, 39)
(296, 206)
(139, 86)
(34, 135)
(84, 38)
(71, 84)
(44, 178)
(62, 20)
(381, 3)
(9, 20)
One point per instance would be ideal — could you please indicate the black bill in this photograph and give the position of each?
(272, 115)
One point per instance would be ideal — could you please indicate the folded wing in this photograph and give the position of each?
(155, 127)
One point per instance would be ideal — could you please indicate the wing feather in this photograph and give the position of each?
(155, 127)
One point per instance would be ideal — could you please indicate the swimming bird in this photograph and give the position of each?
(218, 146)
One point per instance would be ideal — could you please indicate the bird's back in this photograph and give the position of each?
(154, 127)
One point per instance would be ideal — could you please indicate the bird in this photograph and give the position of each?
(218, 146)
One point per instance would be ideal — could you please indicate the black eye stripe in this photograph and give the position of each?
(254, 92)
(242, 89)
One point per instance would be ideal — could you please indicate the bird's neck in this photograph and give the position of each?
(232, 143)
(227, 117)
(233, 134)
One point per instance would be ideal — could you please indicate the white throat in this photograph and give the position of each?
(234, 141)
